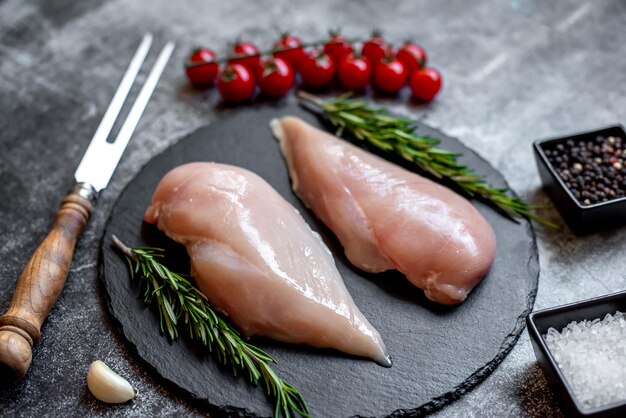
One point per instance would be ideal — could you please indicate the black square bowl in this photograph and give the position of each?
(538, 324)
(582, 219)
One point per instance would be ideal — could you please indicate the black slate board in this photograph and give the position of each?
(439, 353)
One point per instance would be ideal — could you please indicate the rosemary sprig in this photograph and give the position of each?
(397, 135)
(177, 299)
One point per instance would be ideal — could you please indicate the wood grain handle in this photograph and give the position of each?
(41, 282)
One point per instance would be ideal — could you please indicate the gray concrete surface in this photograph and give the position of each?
(514, 71)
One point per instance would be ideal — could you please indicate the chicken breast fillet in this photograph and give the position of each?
(256, 259)
(387, 217)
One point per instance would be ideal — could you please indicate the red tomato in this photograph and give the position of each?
(246, 54)
(290, 49)
(316, 69)
(412, 56)
(337, 47)
(389, 75)
(354, 72)
(276, 77)
(374, 48)
(235, 83)
(425, 84)
(200, 69)
(202, 55)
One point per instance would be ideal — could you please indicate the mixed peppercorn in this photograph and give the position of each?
(275, 71)
(594, 171)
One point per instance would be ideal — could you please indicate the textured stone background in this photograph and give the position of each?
(514, 71)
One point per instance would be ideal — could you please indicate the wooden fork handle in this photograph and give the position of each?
(41, 282)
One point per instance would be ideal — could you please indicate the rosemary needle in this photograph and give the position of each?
(397, 136)
(179, 300)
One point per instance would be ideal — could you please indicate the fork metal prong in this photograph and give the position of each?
(101, 157)
(139, 106)
(112, 112)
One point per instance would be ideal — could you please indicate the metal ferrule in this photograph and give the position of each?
(85, 190)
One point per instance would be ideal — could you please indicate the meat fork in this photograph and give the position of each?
(44, 275)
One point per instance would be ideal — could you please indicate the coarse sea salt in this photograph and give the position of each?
(592, 356)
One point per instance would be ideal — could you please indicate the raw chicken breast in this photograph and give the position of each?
(387, 217)
(256, 259)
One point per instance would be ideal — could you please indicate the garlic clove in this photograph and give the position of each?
(108, 386)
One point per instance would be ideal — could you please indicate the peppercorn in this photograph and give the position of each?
(593, 170)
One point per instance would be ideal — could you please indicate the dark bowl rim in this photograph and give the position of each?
(537, 337)
(539, 149)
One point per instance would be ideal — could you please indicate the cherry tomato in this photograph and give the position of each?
(200, 69)
(247, 54)
(389, 75)
(412, 56)
(354, 72)
(290, 49)
(337, 47)
(425, 84)
(374, 48)
(235, 83)
(276, 77)
(316, 69)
